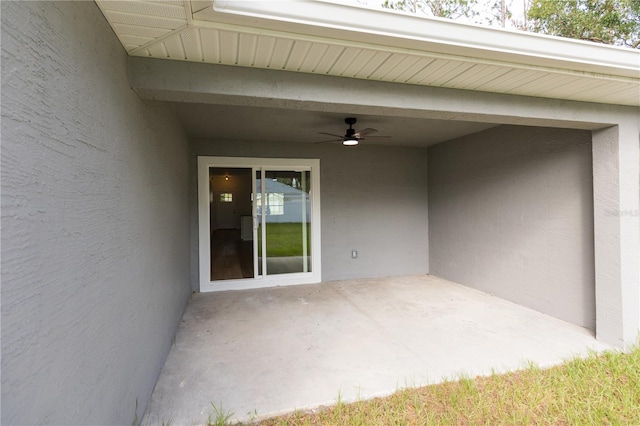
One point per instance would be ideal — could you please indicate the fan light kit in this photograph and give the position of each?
(351, 137)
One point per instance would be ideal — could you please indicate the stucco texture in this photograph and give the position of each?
(374, 200)
(511, 214)
(615, 155)
(95, 269)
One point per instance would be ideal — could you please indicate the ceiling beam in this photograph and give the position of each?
(178, 81)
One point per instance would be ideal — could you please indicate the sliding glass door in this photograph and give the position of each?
(280, 214)
(283, 214)
(230, 224)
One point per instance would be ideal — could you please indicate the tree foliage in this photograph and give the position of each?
(452, 9)
(605, 21)
(489, 12)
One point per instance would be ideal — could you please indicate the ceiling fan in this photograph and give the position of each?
(351, 137)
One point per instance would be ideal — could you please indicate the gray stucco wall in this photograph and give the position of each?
(95, 268)
(373, 198)
(511, 213)
(616, 147)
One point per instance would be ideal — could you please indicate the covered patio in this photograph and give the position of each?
(260, 352)
(508, 163)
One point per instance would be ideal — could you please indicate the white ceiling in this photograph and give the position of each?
(321, 37)
(280, 125)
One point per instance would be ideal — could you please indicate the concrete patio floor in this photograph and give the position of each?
(268, 351)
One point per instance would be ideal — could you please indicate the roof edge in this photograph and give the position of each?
(402, 30)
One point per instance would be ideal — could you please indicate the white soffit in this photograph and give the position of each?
(322, 37)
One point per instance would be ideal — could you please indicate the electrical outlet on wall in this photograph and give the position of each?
(354, 254)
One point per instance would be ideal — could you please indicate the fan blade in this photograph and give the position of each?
(332, 140)
(331, 134)
(376, 138)
(366, 131)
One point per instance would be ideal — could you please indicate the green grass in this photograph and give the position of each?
(285, 239)
(219, 417)
(599, 390)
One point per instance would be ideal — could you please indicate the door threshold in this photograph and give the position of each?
(251, 283)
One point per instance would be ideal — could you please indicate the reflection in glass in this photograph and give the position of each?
(285, 205)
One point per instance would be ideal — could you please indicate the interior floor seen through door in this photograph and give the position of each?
(231, 258)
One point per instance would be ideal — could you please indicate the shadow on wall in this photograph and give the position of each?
(511, 213)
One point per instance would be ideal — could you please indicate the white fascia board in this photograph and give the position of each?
(407, 31)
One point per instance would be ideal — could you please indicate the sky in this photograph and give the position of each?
(515, 6)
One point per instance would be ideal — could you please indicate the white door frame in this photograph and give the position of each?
(204, 232)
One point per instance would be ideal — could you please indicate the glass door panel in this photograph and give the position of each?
(230, 225)
(285, 208)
